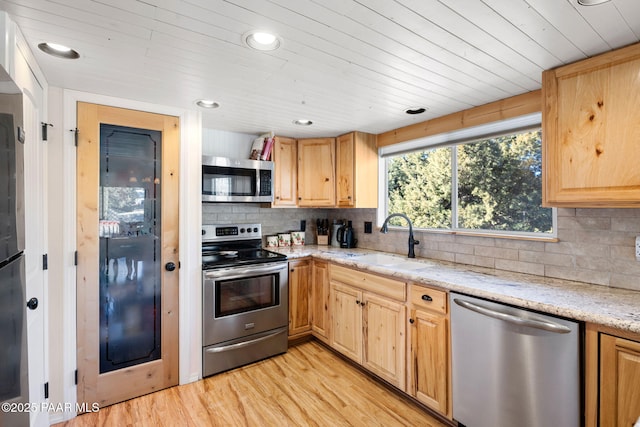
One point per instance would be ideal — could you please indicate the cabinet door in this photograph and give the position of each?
(299, 297)
(285, 163)
(619, 381)
(591, 119)
(316, 172)
(357, 170)
(345, 167)
(384, 339)
(320, 294)
(429, 356)
(346, 327)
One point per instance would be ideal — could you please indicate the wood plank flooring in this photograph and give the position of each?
(307, 386)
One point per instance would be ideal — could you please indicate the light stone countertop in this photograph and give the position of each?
(617, 308)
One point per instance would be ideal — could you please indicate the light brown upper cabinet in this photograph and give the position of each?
(591, 132)
(316, 172)
(285, 163)
(357, 171)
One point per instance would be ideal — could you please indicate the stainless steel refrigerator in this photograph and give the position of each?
(14, 384)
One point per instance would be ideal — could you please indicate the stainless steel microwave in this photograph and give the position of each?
(236, 180)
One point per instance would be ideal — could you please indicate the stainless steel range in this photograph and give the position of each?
(245, 298)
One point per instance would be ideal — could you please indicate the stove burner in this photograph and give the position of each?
(231, 245)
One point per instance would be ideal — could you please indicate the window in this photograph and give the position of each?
(484, 184)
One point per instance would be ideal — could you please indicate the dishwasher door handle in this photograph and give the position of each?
(507, 317)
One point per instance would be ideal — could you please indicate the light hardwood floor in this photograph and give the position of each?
(307, 386)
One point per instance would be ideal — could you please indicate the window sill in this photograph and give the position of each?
(471, 233)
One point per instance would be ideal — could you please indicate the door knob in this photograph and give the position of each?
(169, 266)
(32, 304)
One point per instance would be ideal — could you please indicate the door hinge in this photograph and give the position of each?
(75, 377)
(75, 136)
(45, 262)
(21, 135)
(75, 258)
(44, 130)
(46, 390)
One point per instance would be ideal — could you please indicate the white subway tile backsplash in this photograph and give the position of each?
(630, 224)
(537, 257)
(624, 281)
(580, 275)
(498, 253)
(594, 245)
(480, 261)
(520, 267)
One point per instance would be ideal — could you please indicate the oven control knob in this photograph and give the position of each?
(169, 266)
(242, 230)
(255, 230)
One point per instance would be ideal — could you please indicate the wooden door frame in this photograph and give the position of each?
(154, 375)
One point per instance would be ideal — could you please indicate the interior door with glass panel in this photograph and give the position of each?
(127, 239)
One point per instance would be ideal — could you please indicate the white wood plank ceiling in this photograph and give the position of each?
(345, 64)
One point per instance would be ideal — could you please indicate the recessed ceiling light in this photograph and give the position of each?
(591, 2)
(415, 110)
(302, 122)
(58, 50)
(261, 40)
(207, 103)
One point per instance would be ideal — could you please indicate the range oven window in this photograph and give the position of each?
(246, 294)
(224, 181)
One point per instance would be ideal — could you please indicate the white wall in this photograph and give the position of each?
(234, 145)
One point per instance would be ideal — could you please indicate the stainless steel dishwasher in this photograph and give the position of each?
(513, 367)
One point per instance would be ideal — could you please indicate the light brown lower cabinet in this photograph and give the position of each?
(429, 362)
(619, 381)
(320, 291)
(369, 327)
(299, 298)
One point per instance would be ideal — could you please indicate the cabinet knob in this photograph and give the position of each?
(412, 321)
(292, 270)
(170, 266)
(362, 304)
(426, 298)
(277, 197)
(32, 304)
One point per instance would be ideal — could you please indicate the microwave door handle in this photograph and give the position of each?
(235, 273)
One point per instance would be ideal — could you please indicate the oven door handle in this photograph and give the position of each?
(239, 272)
(244, 343)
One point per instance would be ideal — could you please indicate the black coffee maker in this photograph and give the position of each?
(347, 236)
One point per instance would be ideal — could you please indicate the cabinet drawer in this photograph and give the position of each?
(391, 288)
(431, 299)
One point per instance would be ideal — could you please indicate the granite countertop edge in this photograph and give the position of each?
(602, 305)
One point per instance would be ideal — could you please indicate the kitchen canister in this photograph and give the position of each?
(297, 238)
(272, 241)
(284, 239)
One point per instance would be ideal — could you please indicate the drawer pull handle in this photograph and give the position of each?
(426, 298)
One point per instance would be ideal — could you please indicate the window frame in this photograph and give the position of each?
(451, 140)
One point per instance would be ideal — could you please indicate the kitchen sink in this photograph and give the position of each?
(395, 262)
(409, 265)
(380, 259)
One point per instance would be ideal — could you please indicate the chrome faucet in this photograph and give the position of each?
(412, 241)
